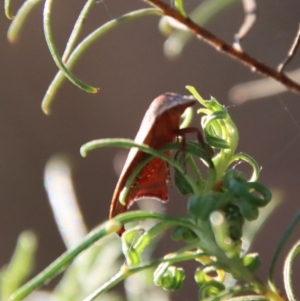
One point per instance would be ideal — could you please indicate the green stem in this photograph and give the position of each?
(78, 51)
(55, 54)
(120, 276)
(233, 265)
(64, 260)
(57, 266)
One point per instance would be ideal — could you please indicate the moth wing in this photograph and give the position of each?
(152, 182)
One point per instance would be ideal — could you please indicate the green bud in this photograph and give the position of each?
(170, 278)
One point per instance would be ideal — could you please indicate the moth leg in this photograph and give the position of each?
(182, 132)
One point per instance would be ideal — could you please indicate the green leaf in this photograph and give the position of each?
(185, 234)
(202, 205)
(252, 261)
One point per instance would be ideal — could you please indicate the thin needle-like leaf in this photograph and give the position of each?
(127, 271)
(55, 54)
(77, 29)
(279, 248)
(78, 51)
(179, 7)
(127, 143)
(57, 266)
(7, 9)
(17, 24)
(287, 272)
(20, 266)
(246, 158)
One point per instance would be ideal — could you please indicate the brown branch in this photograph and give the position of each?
(220, 45)
(291, 52)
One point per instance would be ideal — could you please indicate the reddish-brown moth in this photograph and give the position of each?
(159, 127)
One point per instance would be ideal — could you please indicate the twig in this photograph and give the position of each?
(249, 20)
(202, 15)
(220, 45)
(291, 52)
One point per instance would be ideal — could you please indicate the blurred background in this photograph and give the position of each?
(130, 67)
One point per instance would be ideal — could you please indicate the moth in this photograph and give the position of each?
(159, 127)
